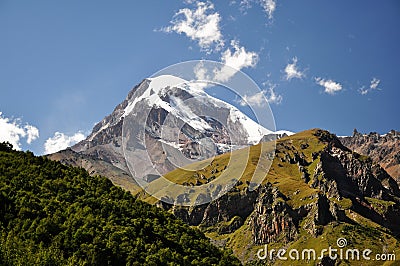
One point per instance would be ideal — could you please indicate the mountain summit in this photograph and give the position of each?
(169, 120)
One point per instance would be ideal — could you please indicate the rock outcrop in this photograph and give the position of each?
(272, 218)
(383, 149)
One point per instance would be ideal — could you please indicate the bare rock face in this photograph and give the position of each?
(343, 173)
(223, 209)
(272, 218)
(383, 149)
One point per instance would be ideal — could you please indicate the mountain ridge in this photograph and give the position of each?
(315, 188)
(383, 149)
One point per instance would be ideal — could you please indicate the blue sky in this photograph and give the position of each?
(66, 64)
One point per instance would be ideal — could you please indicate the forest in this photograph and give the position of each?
(52, 214)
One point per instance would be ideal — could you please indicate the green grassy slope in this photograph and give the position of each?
(299, 194)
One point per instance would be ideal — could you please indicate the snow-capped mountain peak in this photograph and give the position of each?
(165, 92)
(159, 104)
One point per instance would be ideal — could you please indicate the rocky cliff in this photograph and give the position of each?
(383, 149)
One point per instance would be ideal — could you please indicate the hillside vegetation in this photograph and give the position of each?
(52, 214)
(316, 192)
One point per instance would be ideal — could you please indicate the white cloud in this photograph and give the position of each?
(31, 132)
(201, 74)
(257, 99)
(363, 90)
(269, 7)
(331, 87)
(292, 71)
(60, 141)
(240, 58)
(13, 131)
(372, 86)
(261, 98)
(200, 24)
(272, 96)
(245, 5)
(201, 71)
(235, 61)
